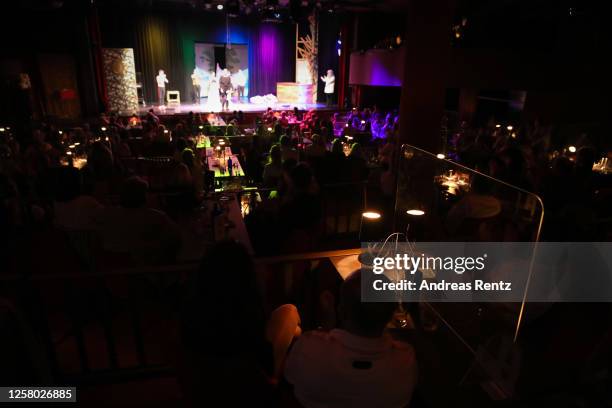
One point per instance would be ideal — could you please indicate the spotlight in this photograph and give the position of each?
(371, 215)
(166, 131)
(509, 127)
(201, 127)
(269, 129)
(440, 156)
(60, 132)
(415, 212)
(2, 129)
(103, 129)
(498, 126)
(219, 6)
(69, 153)
(572, 149)
(277, 15)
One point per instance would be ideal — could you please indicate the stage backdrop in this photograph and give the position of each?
(120, 79)
(236, 58)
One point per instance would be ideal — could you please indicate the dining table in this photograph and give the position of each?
(218, 163)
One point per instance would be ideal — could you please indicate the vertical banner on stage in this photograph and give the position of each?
(120, 75)
(205, 64)
(236, 61)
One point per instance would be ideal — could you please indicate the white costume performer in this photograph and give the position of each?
(214, 102)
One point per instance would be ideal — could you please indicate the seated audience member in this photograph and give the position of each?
(161, 142)
(296, 114)
(317, 149)
(336, 166)
(72, 210)
(287, 150)
(184, 178)
(228, 341)
(470, 217)
(151, 118)
(301, 207)
(149, 236)
(37, 157)
(283, 120)
(268, 116)
(274, 169)
(123, 147)
(357, 364)
(100, 171)
(357, 166)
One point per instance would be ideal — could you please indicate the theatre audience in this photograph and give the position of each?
(357, 364)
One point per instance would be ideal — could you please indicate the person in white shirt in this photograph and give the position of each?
(330, 82)
(161, 86)
(358, 365)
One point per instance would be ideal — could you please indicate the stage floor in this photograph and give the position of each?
(244, 106)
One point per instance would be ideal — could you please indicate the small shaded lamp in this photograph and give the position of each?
(369, 225)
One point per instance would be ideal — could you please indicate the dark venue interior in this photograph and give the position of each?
(306, 203)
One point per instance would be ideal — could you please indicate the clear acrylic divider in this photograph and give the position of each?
(439, 200)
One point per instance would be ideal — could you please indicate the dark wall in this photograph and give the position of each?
(372, 28)
(329, 30)
(27, 36)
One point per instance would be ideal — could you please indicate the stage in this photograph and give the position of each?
(244, 106)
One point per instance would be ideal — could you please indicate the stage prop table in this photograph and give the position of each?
(293, 92)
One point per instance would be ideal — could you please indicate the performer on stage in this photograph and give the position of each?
(195, 80)
(330, 82)
(214, 103)
(239, 82)
(161, 86)
(225, 86)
